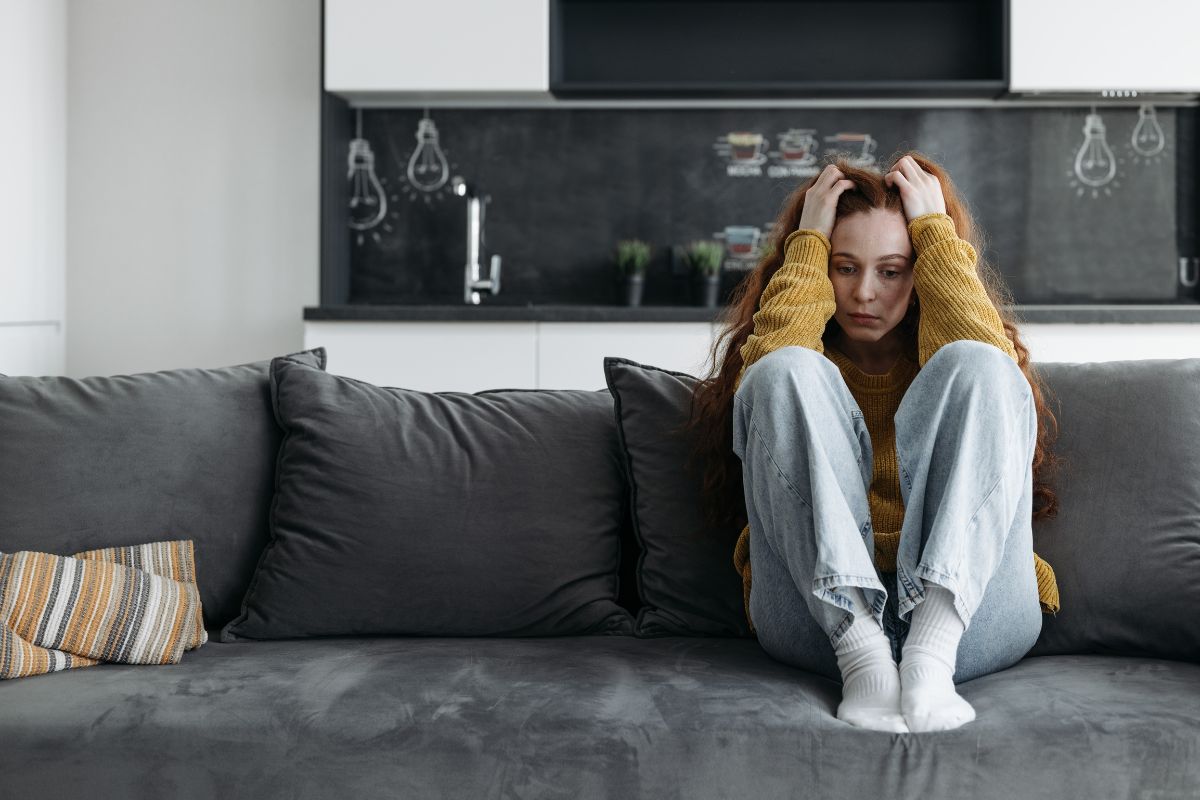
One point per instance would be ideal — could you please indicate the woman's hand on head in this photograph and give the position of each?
(920, 191)
(821, 199)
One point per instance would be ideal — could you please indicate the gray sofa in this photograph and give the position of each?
(509, 594)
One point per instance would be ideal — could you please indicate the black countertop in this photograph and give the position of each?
(485, 312)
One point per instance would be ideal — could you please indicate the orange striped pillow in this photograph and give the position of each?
(128, 605)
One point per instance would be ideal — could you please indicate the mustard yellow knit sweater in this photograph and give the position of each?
(794, 309)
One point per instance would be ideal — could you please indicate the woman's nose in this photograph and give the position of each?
(864, 291)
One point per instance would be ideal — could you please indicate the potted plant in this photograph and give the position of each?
(632, 257)
(704, 257)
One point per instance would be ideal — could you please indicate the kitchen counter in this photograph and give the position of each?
(493, 312)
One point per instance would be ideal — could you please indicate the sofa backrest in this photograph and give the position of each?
(111, 461)
(1125, 545)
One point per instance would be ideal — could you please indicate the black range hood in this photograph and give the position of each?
(778, 48)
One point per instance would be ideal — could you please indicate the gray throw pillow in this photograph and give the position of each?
(686, 578)
(1125, 546)
(446, 514)
(96, 462)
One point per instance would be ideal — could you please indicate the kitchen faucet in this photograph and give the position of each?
(475, 209)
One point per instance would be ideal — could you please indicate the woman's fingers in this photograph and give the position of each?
(913, 171)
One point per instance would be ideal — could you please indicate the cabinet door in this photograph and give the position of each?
(430, 356)
(571, 354)
(33, 163)
(447, 45)
(1110, 342)
(1071, 45)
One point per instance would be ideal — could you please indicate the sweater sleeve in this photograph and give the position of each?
(797, 302)
(954, 303)
(1047, 585)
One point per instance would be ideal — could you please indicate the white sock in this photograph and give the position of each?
(870, 679)
(928, 698)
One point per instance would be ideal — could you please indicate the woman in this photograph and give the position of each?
(890, 438)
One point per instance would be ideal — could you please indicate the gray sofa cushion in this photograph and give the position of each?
(686, 578)
(1125, 546)
(580, 717)
(129, 459)
(406, 512)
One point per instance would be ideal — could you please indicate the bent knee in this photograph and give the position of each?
(980, 359)
(781, 367)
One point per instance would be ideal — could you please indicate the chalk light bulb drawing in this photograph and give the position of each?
(427, 169)
(368, 203)
(1148, 138)
(1094, 163)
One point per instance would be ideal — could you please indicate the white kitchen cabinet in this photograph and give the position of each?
(1071, 342)
(571, 354)
(430, 356)
(472, 356)
(33, 170)
(1071, 45)
(442, 46)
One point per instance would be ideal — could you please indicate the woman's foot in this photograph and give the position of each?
(928, 698)
(871, 688)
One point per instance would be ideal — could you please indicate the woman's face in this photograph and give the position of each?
(871, 272)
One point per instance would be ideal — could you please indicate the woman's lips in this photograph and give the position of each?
(863, 318)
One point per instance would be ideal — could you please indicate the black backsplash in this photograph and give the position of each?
(567, 183)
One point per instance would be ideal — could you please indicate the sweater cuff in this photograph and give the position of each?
(808, 245)
(929, 229)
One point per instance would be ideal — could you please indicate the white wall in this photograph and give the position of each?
(33, 182)
(192, 181)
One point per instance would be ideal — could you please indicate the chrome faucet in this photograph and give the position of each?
(475, 208)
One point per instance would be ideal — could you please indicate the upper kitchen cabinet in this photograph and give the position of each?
(765, 48)
(392, 47)
(1077, 46)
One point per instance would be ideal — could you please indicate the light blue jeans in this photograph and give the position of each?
(965, 436)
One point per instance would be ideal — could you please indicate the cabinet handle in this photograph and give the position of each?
(1189, 282)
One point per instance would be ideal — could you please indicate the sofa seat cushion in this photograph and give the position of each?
(579, 717)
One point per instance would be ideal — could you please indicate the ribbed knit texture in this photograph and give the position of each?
(798, 303)
(929, 699)
(864, 654)
(935, 629)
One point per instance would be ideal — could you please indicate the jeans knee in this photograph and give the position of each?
(781, 367)
(982, 361)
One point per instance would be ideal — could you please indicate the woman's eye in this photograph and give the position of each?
(891, 273)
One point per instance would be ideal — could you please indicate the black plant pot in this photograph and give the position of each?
(631, 287)
(708, 288)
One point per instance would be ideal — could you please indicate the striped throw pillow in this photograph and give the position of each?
(127, 605)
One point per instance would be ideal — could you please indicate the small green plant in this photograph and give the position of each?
(705, 256)
(632, 256)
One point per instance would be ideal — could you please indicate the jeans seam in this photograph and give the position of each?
(999, 478)
(787, 481)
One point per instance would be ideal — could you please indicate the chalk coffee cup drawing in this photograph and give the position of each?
(746, 146)
(798, 144)
(741, 241)
(850, 141)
